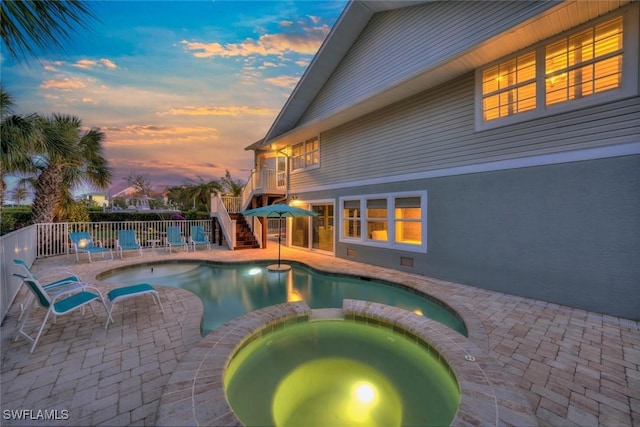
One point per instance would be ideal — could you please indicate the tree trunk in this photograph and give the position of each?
(48, 193)
(3, 187)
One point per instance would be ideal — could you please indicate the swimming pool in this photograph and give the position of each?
(229, 290)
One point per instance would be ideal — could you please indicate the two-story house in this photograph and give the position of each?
(495, 144)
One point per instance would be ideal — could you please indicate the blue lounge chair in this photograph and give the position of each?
(83, 243)
(58, 305)
(57, 279)
(127, 240)
(175, 239)
(199, 237)
(118, 294)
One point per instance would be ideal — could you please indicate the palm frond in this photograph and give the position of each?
(29, 26)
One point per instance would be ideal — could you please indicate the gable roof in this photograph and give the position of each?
(551, 17)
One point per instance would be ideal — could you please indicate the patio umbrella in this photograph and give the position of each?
(279, 211)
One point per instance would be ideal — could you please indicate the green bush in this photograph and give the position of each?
(7, 223)
(14, 218)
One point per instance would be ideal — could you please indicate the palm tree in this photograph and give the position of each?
(31, 26)
(20, 193)
(177, 196)
(201, 193)
(82, 161)
(20, 137)
(231, 186)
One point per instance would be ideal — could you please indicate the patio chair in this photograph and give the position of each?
(124, 292)
(175, 239)
(127, 240)
(199, 237)
(83, 243)
(60, 304)
(58, 279)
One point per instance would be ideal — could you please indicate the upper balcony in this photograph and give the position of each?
(264, 182)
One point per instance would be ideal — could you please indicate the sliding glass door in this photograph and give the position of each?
(314, 232)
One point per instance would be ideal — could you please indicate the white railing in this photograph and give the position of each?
(20, 244)
(53, 239)
(232, 204)
(43, 240)
(227, 224)
(256, 228)
(264, 181)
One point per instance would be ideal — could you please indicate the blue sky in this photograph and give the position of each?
(179, 87)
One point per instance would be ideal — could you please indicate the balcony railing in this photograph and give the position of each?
(264, 181)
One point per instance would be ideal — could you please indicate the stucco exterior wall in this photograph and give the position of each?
(566, 233)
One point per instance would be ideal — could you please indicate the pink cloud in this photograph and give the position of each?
(66, 83)
(268, 44)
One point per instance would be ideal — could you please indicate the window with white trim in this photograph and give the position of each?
(510, 87)
(305, 154)
(594, 63)
(394, 220)
(408, 215)
(584, 63)
(377, 219)
(351, 217)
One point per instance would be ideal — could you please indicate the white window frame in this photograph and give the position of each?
(304, 154)
(628, 86)
(390, 243)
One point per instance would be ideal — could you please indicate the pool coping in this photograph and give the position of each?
(420, 287)
(195, 395)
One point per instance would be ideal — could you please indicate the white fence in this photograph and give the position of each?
(53, 239)
(43, 240)
(18, 244)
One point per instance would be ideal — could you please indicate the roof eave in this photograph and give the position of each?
(283, 131)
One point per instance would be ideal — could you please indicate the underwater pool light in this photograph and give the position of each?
(365, 392)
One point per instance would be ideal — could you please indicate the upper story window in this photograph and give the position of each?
(305, 154)
(584, 63)
(596, 63)
(510, 87)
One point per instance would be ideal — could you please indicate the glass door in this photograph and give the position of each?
(314, 232)
(323, 229)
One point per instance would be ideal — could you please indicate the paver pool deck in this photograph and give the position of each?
(576, 368)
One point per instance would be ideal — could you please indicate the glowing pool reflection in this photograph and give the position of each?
(228, 291)
(339, 373)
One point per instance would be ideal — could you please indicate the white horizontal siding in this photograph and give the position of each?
(435, 130)
(397, 44)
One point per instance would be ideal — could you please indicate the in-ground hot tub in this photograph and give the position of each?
(230, 372)
(339, 373)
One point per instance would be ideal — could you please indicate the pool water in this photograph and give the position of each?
(339, 373)
(228, 291)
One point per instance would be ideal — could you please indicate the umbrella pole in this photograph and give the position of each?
(279, 238)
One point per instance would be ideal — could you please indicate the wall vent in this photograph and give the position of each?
(351, 252)
(406, 262)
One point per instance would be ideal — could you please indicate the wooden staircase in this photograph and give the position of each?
(244, 236)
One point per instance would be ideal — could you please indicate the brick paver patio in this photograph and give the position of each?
(577, 368)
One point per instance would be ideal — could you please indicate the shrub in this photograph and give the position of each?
(7, 223)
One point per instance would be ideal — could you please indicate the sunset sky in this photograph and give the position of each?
(179, 87)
